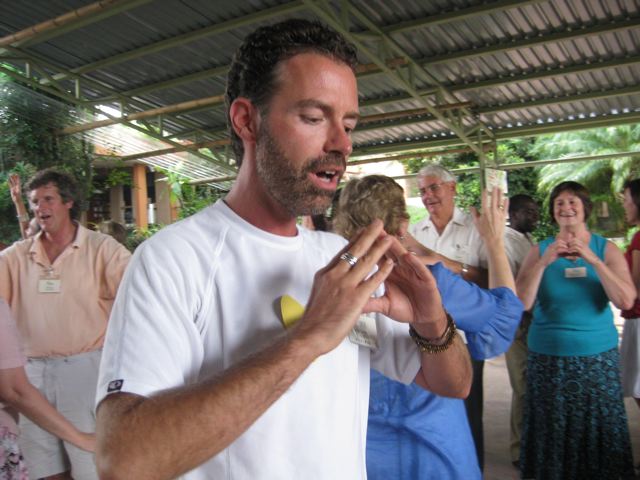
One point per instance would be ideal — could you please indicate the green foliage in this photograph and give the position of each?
(28, 144)
(603, 178)
(9, 228)
(523, 180)
(190, 198)
(138, 235)
(416, 213)
(626, 240)
(598, 141)
(119, 176)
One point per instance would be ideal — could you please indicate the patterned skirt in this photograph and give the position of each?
(12, 466)
(575, 423)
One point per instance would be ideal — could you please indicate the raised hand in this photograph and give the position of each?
(15, 187)
(340, 291)
(490, 222)
(411, 294)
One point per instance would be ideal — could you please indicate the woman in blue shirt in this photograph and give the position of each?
(412, 433)
(575, 423)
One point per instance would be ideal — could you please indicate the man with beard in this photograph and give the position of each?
(211, 367)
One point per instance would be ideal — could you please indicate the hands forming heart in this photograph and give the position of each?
(571, 247)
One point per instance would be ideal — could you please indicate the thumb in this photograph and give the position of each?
(376, 305)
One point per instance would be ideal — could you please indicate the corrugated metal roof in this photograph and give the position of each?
(516, 66)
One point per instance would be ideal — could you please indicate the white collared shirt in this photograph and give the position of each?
(517, 246)
(459, 241)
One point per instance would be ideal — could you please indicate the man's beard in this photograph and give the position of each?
(289, 184)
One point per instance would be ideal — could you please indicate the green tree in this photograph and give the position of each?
(603, 178)
(523, 180)
(29, 142)
(600, 175)
(190, 198)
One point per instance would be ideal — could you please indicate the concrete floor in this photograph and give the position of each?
(497, 400)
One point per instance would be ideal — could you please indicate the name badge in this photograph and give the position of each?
(49, 285)
(365, 332)
(576, 272)
(460, 253)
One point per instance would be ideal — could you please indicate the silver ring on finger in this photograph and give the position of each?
(349, 258)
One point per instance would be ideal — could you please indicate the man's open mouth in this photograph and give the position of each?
(327, 176)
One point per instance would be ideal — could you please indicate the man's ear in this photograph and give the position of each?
(244, 117)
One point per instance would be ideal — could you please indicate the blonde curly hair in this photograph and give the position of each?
(364, 199)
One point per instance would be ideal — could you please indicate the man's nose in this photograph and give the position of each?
(338, 140)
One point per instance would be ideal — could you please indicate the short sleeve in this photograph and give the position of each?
(152, 341)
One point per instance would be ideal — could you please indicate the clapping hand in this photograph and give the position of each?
(490, 222)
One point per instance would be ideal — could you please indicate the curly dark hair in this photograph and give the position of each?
(578, 190)
(67, 187)
(634, 190)
(253, 71)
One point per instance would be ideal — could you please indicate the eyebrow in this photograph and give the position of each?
(311, 103)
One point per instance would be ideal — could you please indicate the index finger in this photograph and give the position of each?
(496, 198)
(360, 244)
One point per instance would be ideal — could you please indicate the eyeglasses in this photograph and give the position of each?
(433, 188)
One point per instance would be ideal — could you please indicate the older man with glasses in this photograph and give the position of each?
(451, 237)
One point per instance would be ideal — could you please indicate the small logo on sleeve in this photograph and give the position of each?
(115, 386)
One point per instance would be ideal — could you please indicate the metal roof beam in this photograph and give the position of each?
(538, 75)
(173, 82)
(503, 134)
(154, 112)
(390, 29)
(498, 82)
(68, 22)
(222, 70)
(536, 163)
(189, 37)
(400, 27)
(617, 92)
(408, 156)
(75, 101)
(36, 60)
(457, 15)
(456, 126)
(368, 70)
(408, 117)
(165, 151)
(569, 34)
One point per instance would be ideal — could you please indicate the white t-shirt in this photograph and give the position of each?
(200, 296)
(517, 246)
(460, 240)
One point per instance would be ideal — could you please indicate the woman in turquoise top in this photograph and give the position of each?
(575, 423)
